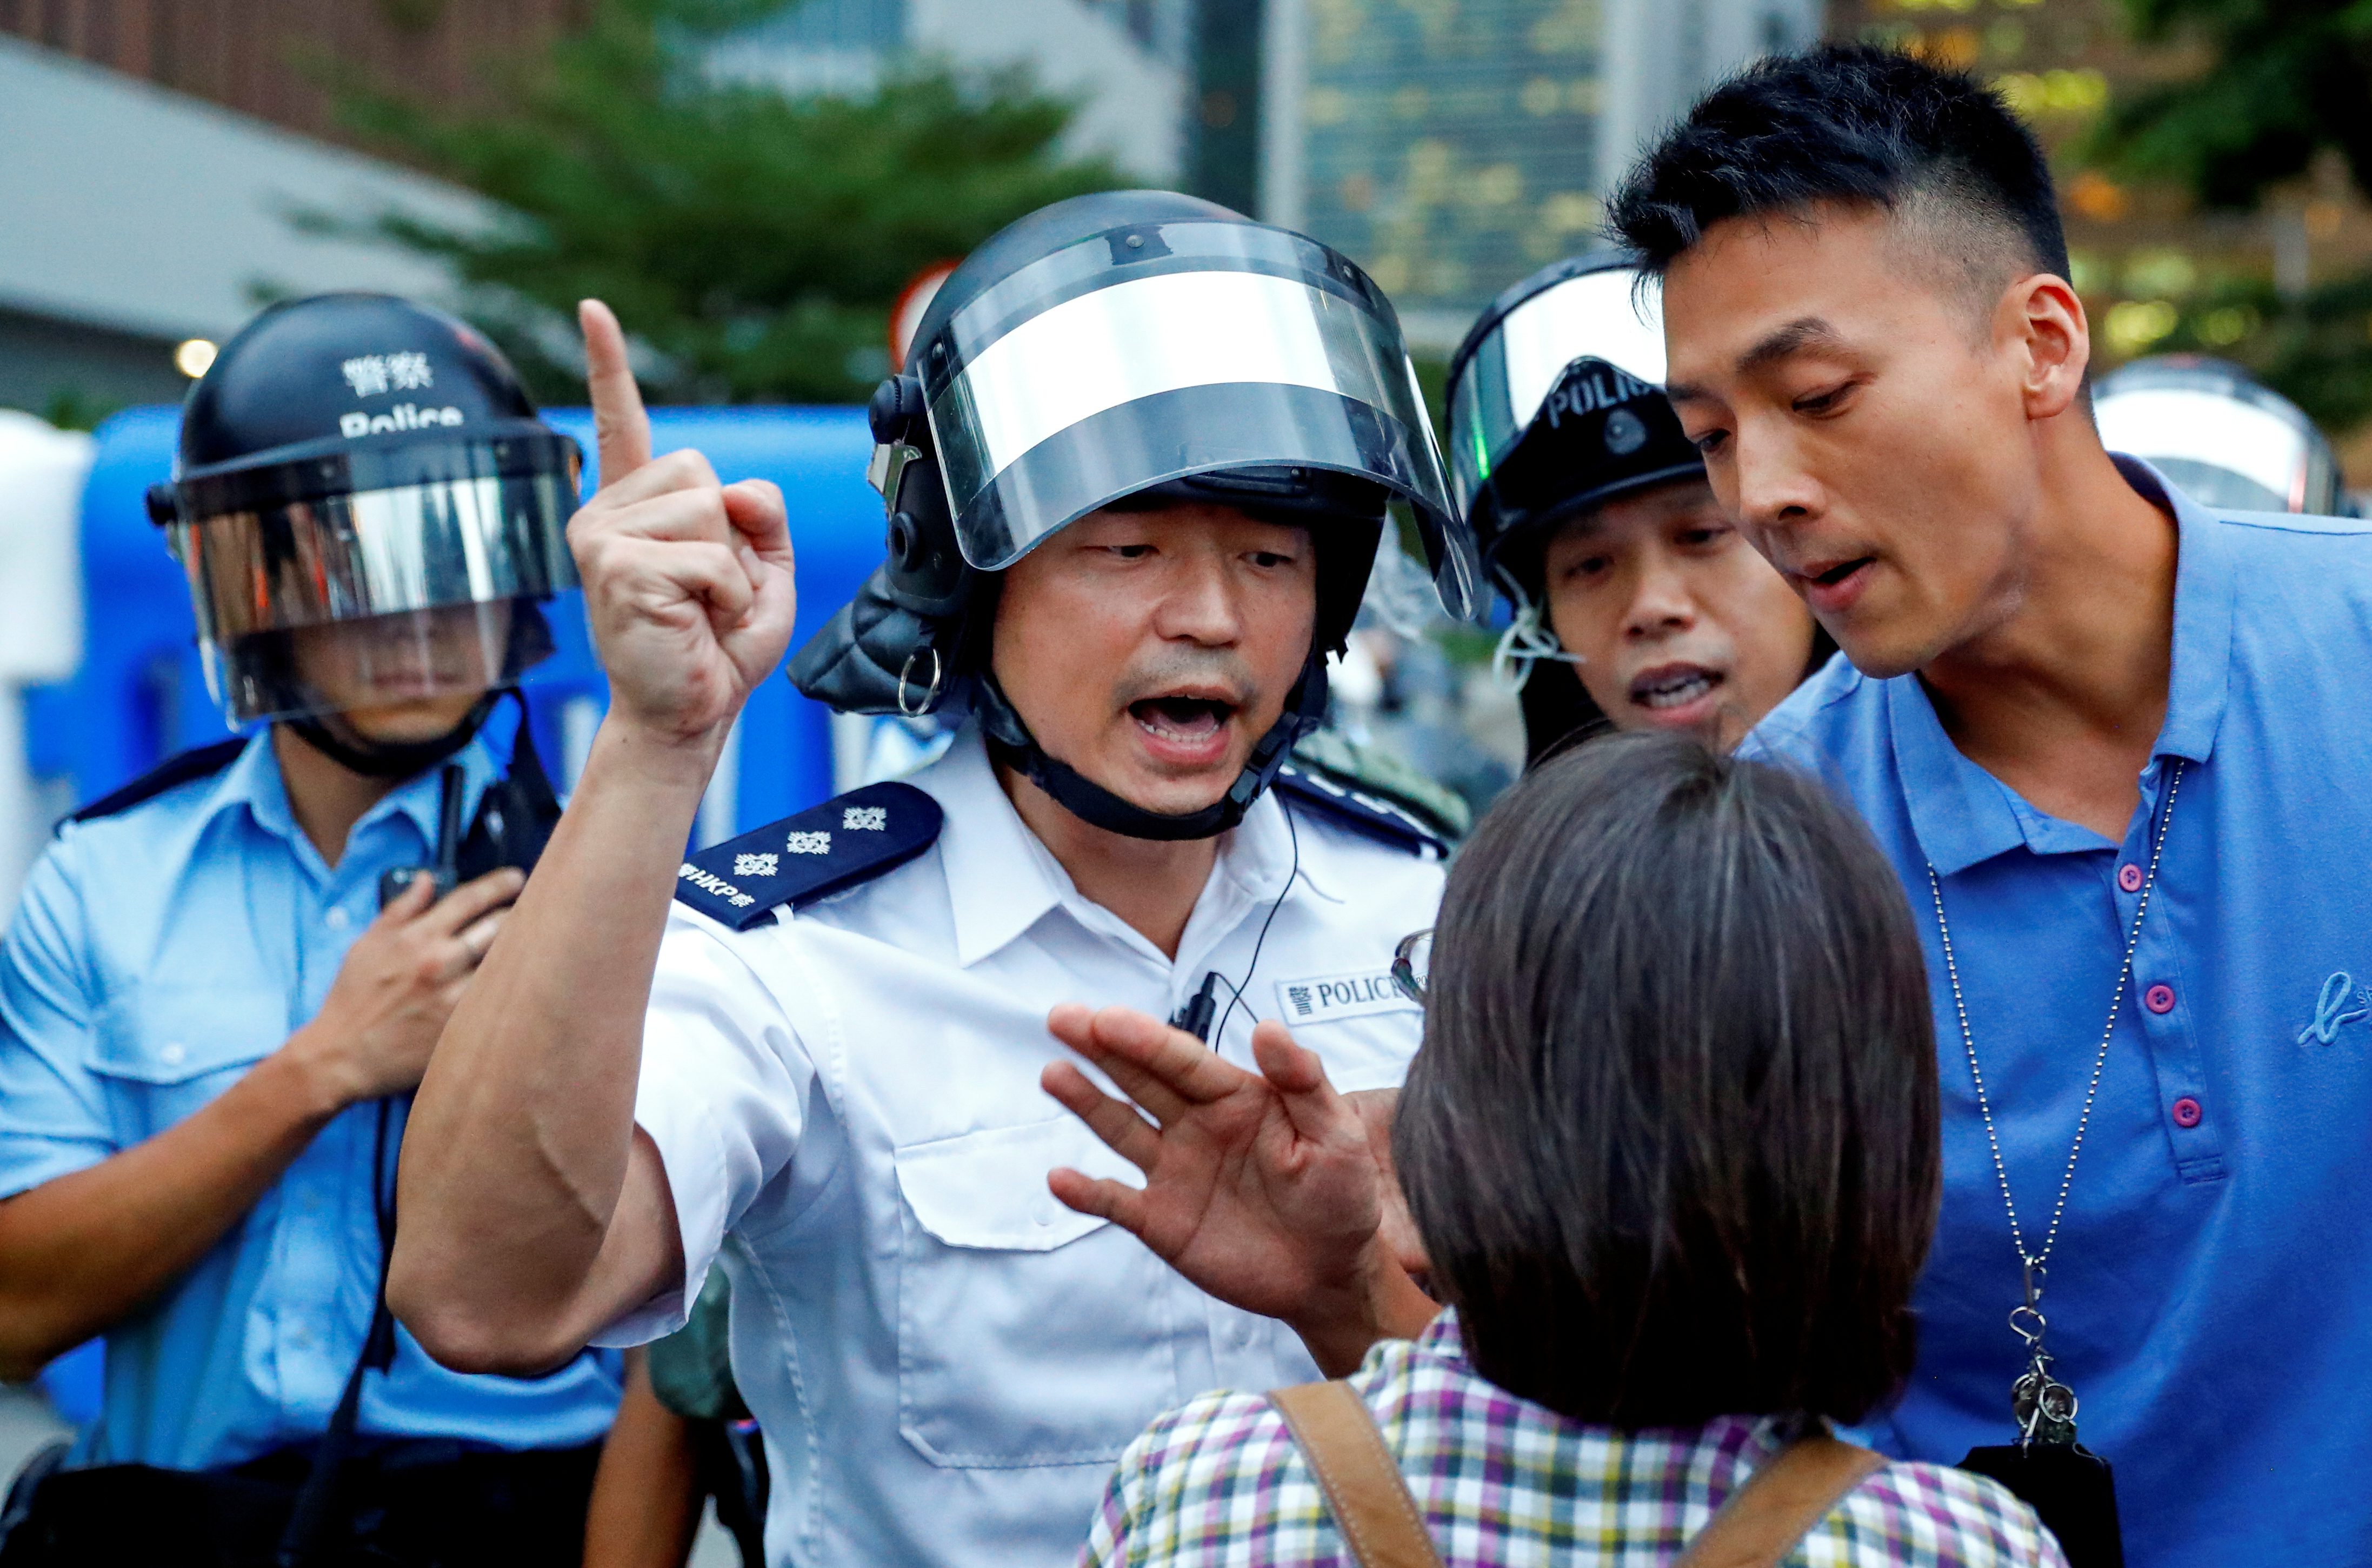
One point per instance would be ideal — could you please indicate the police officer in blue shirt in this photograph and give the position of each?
(209, 1024)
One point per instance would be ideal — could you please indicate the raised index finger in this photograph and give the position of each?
(621, 429)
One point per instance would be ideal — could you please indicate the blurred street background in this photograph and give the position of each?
(765, 189)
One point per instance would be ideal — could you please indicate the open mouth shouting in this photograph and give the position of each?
(1679, 695)
(1188, 727)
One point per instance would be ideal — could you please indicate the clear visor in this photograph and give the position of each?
(375, 552)
(1608, 315)
(406, 677)
(408, 594)
(2223, 452)
(1107, 368)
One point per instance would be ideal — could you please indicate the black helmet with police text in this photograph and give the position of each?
(2228, 441)
(366, 501)
(1556, 405)
(1124, 348)
(1556, 408)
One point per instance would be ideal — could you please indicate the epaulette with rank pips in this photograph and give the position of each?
(846, 840)
(1362, 811)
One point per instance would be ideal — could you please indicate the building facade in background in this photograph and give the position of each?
(1127, 64)
(142, 225)
(160, 147)
(157, 149)
(273, 59)
(1453, 146)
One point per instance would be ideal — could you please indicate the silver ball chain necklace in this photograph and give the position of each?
(2047, 1460)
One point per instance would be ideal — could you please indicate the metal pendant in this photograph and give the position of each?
(2044, 1407)
(2069, 1487)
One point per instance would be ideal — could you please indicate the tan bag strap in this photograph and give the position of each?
(1756, 1526)
(1372, 1504)
(1760, 1523)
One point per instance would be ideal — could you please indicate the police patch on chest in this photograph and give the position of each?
(1325, 998)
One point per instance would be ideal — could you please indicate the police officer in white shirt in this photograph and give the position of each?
(1136, 486)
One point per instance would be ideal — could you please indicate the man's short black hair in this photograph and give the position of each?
(1853, 124)
(1672, 1142)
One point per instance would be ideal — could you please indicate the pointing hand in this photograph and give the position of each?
(687, 579)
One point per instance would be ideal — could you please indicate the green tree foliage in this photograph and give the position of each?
(2286, 83)
(754, 239)
(2288, 80)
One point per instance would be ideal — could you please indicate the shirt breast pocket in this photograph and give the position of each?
(1028, 1334)
(165, 1052)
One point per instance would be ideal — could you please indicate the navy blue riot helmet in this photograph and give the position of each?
(1123, 349)
(363, 487)
(1556, 405)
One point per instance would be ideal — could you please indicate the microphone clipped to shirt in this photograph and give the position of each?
(1197, 1016)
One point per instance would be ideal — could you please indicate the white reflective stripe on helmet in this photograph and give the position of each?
(1150, 335)
(1595, 314)
(1608, 313)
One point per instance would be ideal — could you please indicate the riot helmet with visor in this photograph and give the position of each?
(371, 514)
(1556, 405)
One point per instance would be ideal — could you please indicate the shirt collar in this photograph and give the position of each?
(2204, 587)
(1001, 879)
(254, 781)
(1963, 815)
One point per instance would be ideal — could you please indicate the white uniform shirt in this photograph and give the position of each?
(946, 1360)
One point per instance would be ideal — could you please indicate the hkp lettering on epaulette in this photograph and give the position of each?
(846, 840)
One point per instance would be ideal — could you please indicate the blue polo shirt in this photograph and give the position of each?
(2210, 1297)
(157, 956)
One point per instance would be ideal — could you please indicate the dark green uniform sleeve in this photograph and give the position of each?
(691, 1369)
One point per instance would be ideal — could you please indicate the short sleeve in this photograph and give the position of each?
(53, 1117)
(723, 1096)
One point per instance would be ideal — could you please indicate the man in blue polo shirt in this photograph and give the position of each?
(2111, 739)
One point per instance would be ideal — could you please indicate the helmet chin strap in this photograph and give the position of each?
(1010, 743)
(390, 759)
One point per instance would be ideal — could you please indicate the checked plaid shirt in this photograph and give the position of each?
(1219, 1482)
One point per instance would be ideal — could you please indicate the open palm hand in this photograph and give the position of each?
(1261, 1188)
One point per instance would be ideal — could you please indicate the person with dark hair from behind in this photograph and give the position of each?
(1636, 602)
(1671, 1149)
